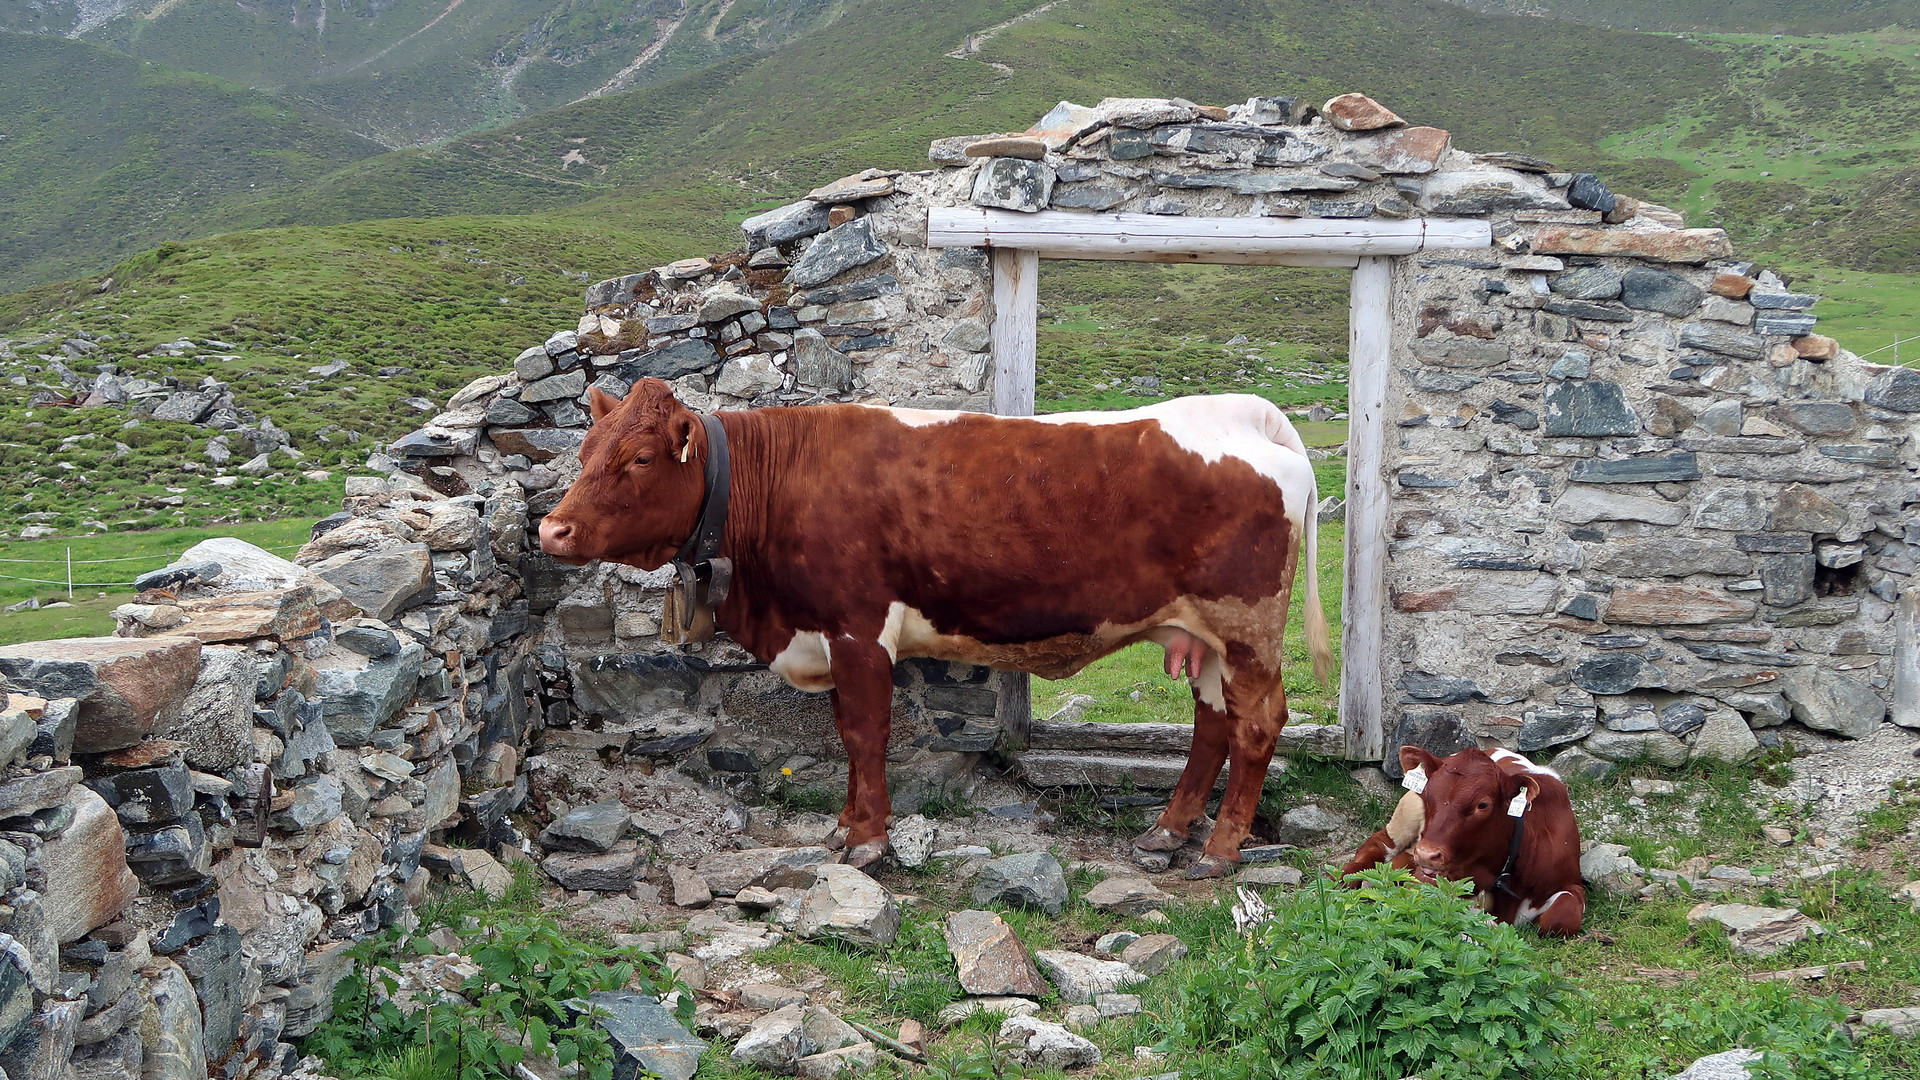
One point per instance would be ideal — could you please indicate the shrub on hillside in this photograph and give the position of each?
(1390, 979)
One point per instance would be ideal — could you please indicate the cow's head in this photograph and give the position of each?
(641, 482)
(1467, 829)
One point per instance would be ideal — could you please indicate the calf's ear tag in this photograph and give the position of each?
(1518, 806)
(1415, 780)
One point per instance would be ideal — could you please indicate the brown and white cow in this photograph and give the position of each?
(860, 535)
(1458, 821)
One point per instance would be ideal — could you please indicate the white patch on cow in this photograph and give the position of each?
(924, 417)
(1504, 754)
(1211, 686)
(1528, 912)
(806, 662)
(890, 631)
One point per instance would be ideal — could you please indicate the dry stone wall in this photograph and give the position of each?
(1637, 504)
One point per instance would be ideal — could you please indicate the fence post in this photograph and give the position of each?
(69, 573)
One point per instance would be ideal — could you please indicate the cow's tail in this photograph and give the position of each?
(1319, 639)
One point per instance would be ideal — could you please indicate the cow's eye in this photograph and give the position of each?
(643, 459)
(1485, 805)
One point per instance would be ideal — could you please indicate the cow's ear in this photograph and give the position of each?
(680, 432)
(1530, 787)
(601, 403)
(1414, 757)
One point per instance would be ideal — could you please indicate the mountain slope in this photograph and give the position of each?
(1730, 16)
(102, 155)
(409, 72)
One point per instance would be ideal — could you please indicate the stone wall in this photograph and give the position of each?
(1636, 502)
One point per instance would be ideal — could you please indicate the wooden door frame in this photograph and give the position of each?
(1368, 247)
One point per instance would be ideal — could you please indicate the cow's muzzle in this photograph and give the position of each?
(558, 540)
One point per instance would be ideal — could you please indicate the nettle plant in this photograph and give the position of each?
(1394, 978)
(528, 1000)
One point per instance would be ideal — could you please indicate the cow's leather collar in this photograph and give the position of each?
(699, 556)
(1500, 884)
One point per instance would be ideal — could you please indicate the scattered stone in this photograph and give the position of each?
(1109, 945)
(1758, 931)
(727, 872)
(690, 889)
(766, 997)
(1048, 1046)
(990, 958)
(1127, 896)
(1900, 1023)
(857, 1060)
(610, 871)
(1358, 112)
(1154, 953)
(1079, 977)
(1307, 826)
(648, 1040)
(1031, 880)
(847, 905)
(776, 1042)
(595, 827)
(1727, 1065)
(1288, 876)
(913, 839)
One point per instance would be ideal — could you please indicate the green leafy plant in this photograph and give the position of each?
(1390, 979)
(992, 1061)
(527, 999)
(1798, 1037)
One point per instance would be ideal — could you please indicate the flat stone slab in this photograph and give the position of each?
(1758, 931)
(1127, 896)
(647, 1038)
(126, 687)
(727, 872)
(1079, 977)
(990, 958)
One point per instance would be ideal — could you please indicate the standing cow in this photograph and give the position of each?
(859, 535)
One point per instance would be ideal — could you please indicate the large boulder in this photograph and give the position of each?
(88, 882)
(247, 568)
(215, 727)
(127, 687)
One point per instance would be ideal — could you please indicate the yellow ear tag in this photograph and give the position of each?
(1415, 781)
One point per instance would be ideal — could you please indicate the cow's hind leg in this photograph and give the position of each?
(1253, 724)
(1189, 801)
(863, 711)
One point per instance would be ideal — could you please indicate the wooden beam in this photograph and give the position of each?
(1079, 236)
(1338, 262)
(1369, 335)
(1016, 314)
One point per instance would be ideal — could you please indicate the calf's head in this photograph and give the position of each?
(1467, 829)
(641, 482)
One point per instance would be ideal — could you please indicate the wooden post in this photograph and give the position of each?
(1370, 331)
(1016, 315)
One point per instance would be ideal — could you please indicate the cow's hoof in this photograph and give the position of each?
(1210, 866)
(861, 856)
(1159, 838)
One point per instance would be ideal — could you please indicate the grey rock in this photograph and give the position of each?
(34, 792)
(316, 801)
(1078, 977)
(1727, 1065)
(1589, 409)
(1758, 931)
(125, 687)
(383, 584)
(533, 365)
(1441, 734)
(359, 694)
(1656, 747)
(177, 575)
(785, 224)
(1786, 580)
(1587, 283)
(1588, 310)
(1724, 736)
(1047, 1045)
(88, 883)
(1682, 718)
(1669, 557)
(1013, 184)
(1573, 364)
(1898, 390)
(748, 377)
(1154, 953)
(506, 412)
(847, 905)
(647, 1038)
(727, 872)
(970, 335)
(676, 360)
(837, 251)
(1088, 196)
(776, 1042)
(170, 1028)
(1828, 701)
(1127, 896)
(44, 1047)
(816, 363)
(1306, 826)
(147, 796)
(1649, 289)
(1723, 340)
(555, 388)
(1588, 193)
(1109, 945)
(1817, 417)
(1783, 323)
(216, 721)
(1733, 510)
(609, 871)
(186, 407)
(1646, 469)
(1552, 725)
(16, 989)
(989, 957)
(1576, 762)
(216, 968)
(596, 827)
(1030, 880)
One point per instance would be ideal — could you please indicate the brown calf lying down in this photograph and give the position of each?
(1496, 819)
(856, 537)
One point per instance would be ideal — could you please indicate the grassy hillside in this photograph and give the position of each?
(102, 156)
(1757, 16)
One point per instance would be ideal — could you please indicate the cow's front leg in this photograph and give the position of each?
(863, 711)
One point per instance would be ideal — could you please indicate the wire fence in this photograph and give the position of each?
(70, 583)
